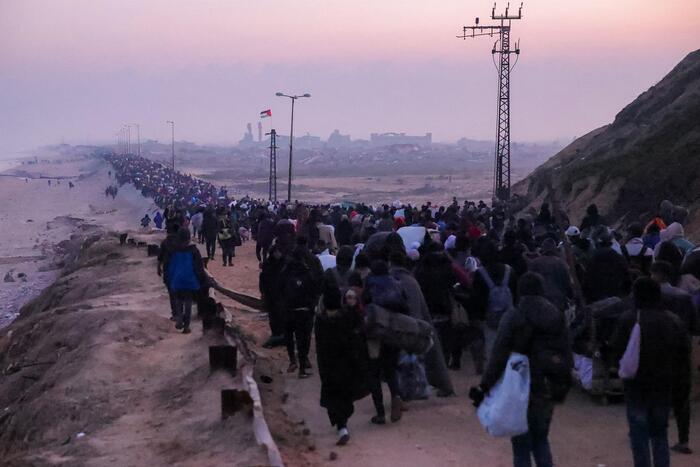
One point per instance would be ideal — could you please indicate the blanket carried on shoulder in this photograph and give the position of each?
(409, 334)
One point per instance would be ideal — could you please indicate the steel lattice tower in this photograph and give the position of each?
(273, 165)
(501, 183)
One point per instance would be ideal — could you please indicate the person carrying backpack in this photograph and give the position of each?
(184, 274)
(492, 291)
(225, 236)
(385, 291)
(536, 329)
(300, 295)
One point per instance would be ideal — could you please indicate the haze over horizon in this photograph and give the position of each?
(76, 70)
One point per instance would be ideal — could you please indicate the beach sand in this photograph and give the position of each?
(36, 217)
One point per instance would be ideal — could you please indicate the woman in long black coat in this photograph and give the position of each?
(341, 353)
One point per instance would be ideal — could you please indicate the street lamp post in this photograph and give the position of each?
(128, 139)
(138, 138)
(172, 127)
(291, 140)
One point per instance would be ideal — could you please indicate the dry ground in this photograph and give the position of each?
(97, 354)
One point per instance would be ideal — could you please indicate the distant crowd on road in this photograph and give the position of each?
(397, 294)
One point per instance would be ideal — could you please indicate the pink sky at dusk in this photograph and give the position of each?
(75, 70)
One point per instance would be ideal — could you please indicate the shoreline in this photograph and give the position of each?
(39, 221)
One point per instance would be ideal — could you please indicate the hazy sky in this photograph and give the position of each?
(75, 70)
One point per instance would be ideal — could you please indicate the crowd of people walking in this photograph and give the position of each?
(398, 294)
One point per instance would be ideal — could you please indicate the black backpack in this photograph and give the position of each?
(549, 363)
(640, 263)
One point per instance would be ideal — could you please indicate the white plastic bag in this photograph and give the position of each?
(503, 412)
(411, 234)
(629, 363)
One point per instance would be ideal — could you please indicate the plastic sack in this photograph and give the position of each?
(503, 412)
(413, 384)
(583, 366)
(411, 234)
(629, 363)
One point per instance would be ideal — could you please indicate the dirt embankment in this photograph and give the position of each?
(647, 154)
(94, 374)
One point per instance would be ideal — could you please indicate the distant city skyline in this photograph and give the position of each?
(76, 70)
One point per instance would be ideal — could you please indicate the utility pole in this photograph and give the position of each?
(273, 165)
(172, 127)
(501, 185)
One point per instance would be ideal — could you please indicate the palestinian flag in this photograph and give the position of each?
(266, 113)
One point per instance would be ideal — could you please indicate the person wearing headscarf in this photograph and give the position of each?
(341, 355)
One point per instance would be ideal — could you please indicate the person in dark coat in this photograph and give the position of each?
(555, 272)
(537, 329)
(648, 394)
(592, 219)
(285, 235)
(342, 269)
(437, 280)
(264, 236)
(607, 274)
(158, 220)
(341, 355)
(166, 247)
(300, 297)
(512, 253)
(680, 303)
(271, 282)
(210, 230)
(343, 233)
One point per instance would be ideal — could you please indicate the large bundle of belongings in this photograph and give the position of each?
(409, 334)
(594, 368)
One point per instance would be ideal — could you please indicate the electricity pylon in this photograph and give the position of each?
(273, 165)
(501, 185)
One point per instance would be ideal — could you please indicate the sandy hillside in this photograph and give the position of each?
(94, 374)
(36, 217)
(435, 432)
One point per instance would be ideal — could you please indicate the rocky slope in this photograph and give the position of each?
(649, 153)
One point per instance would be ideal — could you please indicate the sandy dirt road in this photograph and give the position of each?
(435, 432)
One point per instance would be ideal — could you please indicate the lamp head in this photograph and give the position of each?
(306, 95)
(279, 94)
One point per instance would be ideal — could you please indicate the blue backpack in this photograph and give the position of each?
(181, 273)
